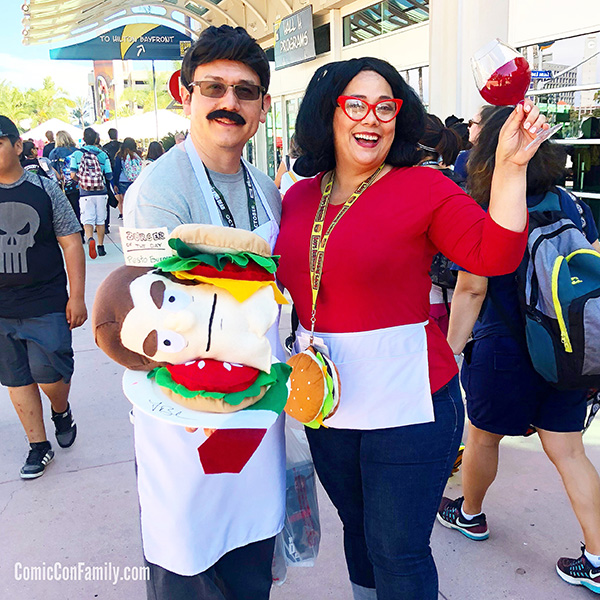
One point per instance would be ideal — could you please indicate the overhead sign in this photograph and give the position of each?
(294, 39)
(137, 41)
(541, 74)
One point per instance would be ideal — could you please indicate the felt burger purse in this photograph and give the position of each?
(315, 381)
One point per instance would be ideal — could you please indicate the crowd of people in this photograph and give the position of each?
(389, 186)
(91, 186)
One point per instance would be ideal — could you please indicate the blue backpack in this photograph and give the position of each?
(559, 292)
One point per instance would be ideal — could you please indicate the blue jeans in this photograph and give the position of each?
(387, 485)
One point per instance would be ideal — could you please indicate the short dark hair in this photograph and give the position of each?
(28, 147)
(225, 43)
(90, 136)
(544, 170)
(113, 134)
(314, 125)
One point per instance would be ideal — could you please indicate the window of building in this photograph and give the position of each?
(418, 79)
(384, 17)
(322, 39)
(565, 84)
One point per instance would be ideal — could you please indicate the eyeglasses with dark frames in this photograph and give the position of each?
(217, 89)
(357, 109)
(471, 122)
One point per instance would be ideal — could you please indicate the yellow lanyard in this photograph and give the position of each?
(318, 241)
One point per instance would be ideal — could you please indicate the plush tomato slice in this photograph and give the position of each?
(251, 272)
(209, 375)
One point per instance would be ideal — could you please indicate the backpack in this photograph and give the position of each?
(63, 167)
(132, 167)
(90, 173)
(34, 166)
(559, 291)
(444, 275)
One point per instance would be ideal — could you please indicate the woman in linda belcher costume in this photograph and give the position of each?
(356, 245)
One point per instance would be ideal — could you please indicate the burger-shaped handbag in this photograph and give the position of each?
(315, 388)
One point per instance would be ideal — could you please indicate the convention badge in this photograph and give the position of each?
(144, 247)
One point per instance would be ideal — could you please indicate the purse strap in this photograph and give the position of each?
(318, 240)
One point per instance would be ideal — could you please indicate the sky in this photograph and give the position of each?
(26, 66)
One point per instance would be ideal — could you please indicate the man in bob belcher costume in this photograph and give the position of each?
(218, 528)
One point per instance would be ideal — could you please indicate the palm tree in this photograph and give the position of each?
(12, 102)
(48, 102)
(81, 111)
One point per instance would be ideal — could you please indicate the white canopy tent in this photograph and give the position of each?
(54, 125)
(144, 126)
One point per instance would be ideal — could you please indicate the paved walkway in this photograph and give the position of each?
(84, 509)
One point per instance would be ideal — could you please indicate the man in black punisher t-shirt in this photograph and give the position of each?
(36, 313)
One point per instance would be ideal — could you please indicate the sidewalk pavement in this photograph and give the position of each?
(84, 510)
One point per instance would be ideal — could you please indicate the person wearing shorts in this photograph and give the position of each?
(36, 312)
(93, 203)
(505, 394)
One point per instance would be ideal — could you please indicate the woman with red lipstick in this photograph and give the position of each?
(374, 221)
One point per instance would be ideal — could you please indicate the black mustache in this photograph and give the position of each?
(225, 114)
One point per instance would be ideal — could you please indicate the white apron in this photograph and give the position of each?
(189, 519)
(384, 376)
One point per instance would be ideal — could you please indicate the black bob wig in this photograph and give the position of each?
(314, 125)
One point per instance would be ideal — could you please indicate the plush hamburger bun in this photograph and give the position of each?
(315, 388)
(212, 405)
(215, 239)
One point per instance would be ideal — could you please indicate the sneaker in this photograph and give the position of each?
(101, 250)
(579, 571)
(65, 428)
(450, 515)
(92, 248)
(40, 455)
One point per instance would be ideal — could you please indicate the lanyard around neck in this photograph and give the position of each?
(318, 241)
(223, 206)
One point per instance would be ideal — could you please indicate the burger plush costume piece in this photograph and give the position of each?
(315, 388)
(198, 323)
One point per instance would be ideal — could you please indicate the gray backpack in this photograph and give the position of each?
(559, 292)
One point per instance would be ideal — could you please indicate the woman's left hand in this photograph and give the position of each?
(519, 130)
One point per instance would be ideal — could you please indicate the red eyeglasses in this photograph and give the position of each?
(357, 109)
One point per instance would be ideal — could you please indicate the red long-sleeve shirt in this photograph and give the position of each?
(377, 261)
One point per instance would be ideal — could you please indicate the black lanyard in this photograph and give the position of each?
(224, 208)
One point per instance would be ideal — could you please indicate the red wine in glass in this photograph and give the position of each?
(503, 76)
(507, 84)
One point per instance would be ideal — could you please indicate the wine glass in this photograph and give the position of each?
(502, 76)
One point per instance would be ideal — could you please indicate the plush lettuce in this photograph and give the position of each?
(187, 258)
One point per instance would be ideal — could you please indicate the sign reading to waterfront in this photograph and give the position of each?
(137, 41)
(294, 39)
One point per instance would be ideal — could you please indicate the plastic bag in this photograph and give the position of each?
(301, 533)
(279, 566)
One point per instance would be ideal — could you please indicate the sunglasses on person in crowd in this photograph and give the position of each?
(217, 89)
(357, 109)
(471, 122)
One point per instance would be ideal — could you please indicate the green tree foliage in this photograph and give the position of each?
(12, 102)
(81, 111)
(48, 102)
(142, 97)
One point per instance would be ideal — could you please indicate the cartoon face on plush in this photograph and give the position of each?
(175, 323)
